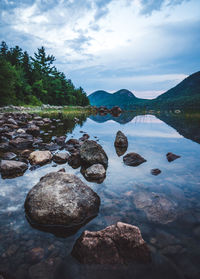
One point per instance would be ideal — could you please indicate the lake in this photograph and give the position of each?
(128, 194)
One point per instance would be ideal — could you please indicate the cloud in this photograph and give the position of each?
(141, 45)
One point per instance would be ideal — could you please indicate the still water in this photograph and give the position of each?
(127, 194)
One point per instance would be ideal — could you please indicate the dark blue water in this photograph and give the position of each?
(127, 194)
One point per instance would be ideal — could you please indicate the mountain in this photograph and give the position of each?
(123, 98)
(185, 95)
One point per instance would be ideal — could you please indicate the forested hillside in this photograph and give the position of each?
(35, 80)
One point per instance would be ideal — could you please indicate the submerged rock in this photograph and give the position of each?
(133, 159)
(117, 244)
(92, 153)
(61, 199)
(158, 207)
(171, 157)
(61, 157)
(12, 168)
(40, 157)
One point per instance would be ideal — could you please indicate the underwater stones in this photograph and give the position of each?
(12, 168)
(61, 199)
(40, 157)
(61, 157)
(21, 143)
(117, 244)
(171, 157)
(133, 159)
(158, 207)
(92, 153)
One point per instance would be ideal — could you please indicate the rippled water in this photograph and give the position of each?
(128, 194)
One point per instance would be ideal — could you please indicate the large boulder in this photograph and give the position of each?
(117, 244)
(133, 159)
(12, 168)
(92, 153)
(40, 157)
(61, 199)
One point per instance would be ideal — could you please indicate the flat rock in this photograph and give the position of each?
(12, 168)
(117, 244)
(158, 207)
(171, 156)
(61, 199)
(133, 159)
(61, 157)
(92, 153)
(40, 157)
(155, 171)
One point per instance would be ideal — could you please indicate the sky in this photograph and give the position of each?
(145, 46)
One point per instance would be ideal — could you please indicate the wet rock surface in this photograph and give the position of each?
(61, 157)
(96, 173)
(12, 168)
(155, 171)
(40, 157)
(116, 244)
(61, 199)
(121, 140)
(171, 156)
(92, 153)
(133, 159)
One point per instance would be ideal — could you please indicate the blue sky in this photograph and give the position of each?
(146, 46)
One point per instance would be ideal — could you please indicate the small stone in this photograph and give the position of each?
(12, 168)
(9, 156)
(133, 159)
(61, 157)
(171, 157)
(155, 171)
(40, 157)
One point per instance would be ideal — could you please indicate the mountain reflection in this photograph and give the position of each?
(187, 125)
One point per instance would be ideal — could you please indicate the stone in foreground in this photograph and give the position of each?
(117, 244)
(61, 199)
(40, 157)
(171, 156)
(133, 159)
(95, 172)
(92, 153)
(12, 168)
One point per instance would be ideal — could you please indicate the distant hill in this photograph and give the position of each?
(123, 98)
(185, 95)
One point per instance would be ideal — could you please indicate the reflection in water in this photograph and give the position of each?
(166, 207)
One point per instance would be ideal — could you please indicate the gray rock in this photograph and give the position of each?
(61, 157)
(33, 130)
(9, 156)
(92, 153)
(40, 157)
(21, 143)
(61, 199)
(121, 140)
(133, 159)
(95, 172)
(117, 244)
(12, 168)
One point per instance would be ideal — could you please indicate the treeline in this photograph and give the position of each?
(35, 80)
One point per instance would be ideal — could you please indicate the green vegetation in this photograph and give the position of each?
(184, 96)
(34, 80)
